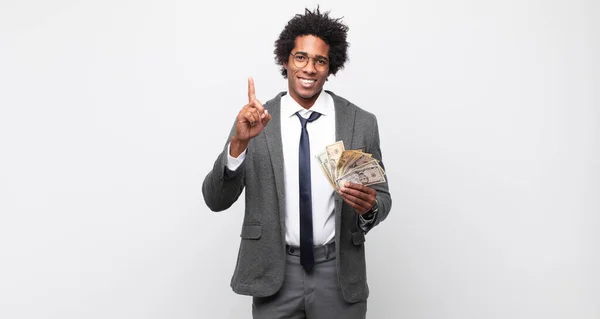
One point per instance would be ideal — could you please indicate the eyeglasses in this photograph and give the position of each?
(301, 60)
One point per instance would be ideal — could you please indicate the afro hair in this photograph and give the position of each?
(331, 31)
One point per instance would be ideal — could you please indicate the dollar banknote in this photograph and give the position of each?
(366, 175)
(334, 152)
(340, 165)
(323, 160)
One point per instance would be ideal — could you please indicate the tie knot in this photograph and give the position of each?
(313, 116)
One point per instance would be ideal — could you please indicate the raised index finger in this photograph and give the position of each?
(251, 93)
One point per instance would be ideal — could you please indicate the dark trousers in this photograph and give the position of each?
(314, 295)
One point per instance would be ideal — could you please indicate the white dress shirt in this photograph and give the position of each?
(321, 133)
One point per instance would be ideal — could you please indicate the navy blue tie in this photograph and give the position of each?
(307, 258)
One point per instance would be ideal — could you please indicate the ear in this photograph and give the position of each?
(285, 65)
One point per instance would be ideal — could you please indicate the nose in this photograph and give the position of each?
(310, 67)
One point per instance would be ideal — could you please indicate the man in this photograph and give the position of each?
(302, 243)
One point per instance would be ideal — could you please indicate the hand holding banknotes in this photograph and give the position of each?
(360, 197)
(350, 172)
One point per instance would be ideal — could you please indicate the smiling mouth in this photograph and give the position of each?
(307, 82)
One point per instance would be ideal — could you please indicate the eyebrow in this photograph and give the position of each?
(317, 56)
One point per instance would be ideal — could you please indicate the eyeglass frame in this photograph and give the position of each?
(304, 54)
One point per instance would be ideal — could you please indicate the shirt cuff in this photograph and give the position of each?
(364, 223)
(234, 162)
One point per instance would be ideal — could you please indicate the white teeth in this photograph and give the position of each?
(307, 81)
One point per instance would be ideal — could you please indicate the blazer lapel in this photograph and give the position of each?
(344, 130)
(272, 134)
(344, 121)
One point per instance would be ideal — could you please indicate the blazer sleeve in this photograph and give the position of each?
(222, 186)
(384, 200)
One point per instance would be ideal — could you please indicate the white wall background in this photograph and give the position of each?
(112, 112)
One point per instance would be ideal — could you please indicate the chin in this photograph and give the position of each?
(309, 95)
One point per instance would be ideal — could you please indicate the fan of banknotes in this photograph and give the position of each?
(340, 166)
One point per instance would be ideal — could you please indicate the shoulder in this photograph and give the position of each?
(360, 113)
(274, 102)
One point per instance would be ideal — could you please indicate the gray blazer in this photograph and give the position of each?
(262, 258)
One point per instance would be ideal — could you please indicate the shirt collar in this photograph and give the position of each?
(289, 106)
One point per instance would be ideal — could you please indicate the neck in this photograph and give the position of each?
(306, 103)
